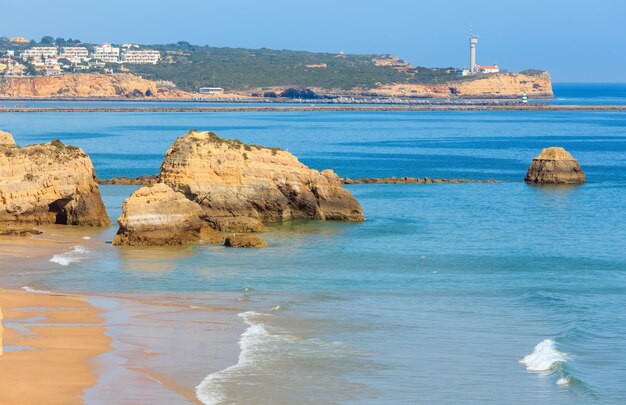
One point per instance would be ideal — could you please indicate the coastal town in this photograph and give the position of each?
(57, 67)
(54, 57)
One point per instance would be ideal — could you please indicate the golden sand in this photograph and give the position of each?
(47, 359)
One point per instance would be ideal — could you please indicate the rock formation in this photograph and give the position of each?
(158, 215)
(49, 184)
(555, 166)
(244, 241)
(6, 139)
(86, 85)
(248, 184)
(209, 185)
(497, 85)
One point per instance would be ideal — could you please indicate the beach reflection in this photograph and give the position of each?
(154, 259)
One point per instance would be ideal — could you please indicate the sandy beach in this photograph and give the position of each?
(49, 343)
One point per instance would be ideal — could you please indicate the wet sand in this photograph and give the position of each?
(93, 347)
(50, 342)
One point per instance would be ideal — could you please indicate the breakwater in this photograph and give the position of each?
(305, 108)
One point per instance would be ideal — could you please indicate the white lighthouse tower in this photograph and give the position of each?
(473, 43)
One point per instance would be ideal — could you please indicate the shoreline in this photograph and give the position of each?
(320, 108)
(79, 346)
(122, 336)
(50, 339)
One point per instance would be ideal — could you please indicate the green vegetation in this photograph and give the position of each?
(191, 67)
(532, 72)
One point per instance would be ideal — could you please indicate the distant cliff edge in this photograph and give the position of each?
(495, 85)
(124, 86)
(86, 85)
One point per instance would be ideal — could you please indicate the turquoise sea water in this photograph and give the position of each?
(435, 299)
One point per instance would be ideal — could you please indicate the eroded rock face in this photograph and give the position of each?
(234, 182)
(86, 85)
(49, 184)
(505, 85)
(555, 166)
(158, 215)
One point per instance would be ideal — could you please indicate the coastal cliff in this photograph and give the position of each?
(48, 184)
(86, 85)
(122, 85)
(496, 85)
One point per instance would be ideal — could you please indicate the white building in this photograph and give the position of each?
(141, 56)
(39, 52)
(488, 69)
(211, 90)
(106, 53)
(75, 54)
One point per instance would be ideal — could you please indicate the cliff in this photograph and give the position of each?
(230, 179)
(49, 184)
(555, 166)
(497, 85)
(86, 85)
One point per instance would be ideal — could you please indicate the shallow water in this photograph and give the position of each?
(437, 298)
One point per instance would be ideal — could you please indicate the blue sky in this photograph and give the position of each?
(577, 41)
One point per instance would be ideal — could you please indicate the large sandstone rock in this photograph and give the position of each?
(49, 184)
(555, 166)
(158, 215)
(234, 182)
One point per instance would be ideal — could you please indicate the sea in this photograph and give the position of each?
(475, 293)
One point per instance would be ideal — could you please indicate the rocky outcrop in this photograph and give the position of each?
(11, 231)
(6, 139)
(496, 85)
(158, 215)
(410, 180)
(555, 166)
(49, 184)
(234, 182)
(209, 185)
(86, 85)
(244, 241)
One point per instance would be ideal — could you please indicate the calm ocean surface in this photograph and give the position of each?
(448, 294)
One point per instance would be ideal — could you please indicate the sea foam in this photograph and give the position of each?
(252, 344)
(545, 357)
(74, 255)
(35, 291)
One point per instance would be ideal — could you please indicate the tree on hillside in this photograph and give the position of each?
(60, 41)
(47, 40)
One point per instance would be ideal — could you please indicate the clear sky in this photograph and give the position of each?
(575, 40)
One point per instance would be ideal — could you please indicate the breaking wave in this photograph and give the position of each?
(74, 255)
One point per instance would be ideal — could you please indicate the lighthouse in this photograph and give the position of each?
(473, 43)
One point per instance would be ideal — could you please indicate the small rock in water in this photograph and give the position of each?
(244, 241)
(555, 166)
